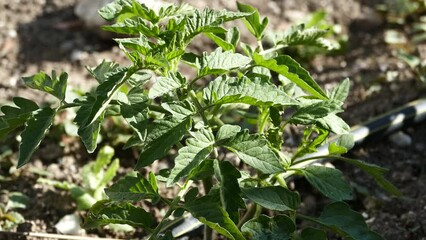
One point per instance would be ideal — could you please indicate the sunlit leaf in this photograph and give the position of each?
(254, 151)
(288, 67)
(36, 128)
(48, 84)
(253, 22)
(14, 117)
(243, 90)
(197, 148)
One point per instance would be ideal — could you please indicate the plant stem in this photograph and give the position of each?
(172, 207)
(263, 118)
(271, 50)
(281, 181)
(157, 108)
(207, 184)
(68, 105)
(194, 80)
(198, 106)
(248, 215)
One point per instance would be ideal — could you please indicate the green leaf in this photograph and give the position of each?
(105, 212)
(131, 188)
(243, 90)
(219, 62)
(101, 71)
(346, 222)
(134, 27)
(17, 200)
(273, 197)
(153, 181)
(312, 139)
(289, 68)
(230, 193)
(209, 21)
(209, 212)
(162, 135)
(91, 112)
(52, 85)
(341, 91)
(15, 117)
(89, 134)
(83, 199)
(333, 123)
(202, 171)
(227, 131)
(135, 111)
(313, 233)
(36, 128)
(109, 174)
(104, 94)
(328, 181)
(103, 158)
(253, 22)
(269, 228)
(112, 10)
(196, 150)
(310, 113)
(377, 172)
(254, 151)
(228, 41)
(342, 145)
(181, 109)
(122, 9)
(165, 85)
(299, 35)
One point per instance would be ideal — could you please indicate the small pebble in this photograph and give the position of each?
(401, 139)
(70, 224)
(78, 55)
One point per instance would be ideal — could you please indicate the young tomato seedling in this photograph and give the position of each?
(237, 105)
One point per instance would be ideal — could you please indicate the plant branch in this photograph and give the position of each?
(207, 184)
(248, 215)
(171, 209)
(198, 106)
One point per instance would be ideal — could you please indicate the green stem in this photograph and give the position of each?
(263, 119)
(281, 181)
(314, 158)
(207, 184)
(171, 209)
(157, 108)
(271, 50)
(260, 45)
(194, 80)
(66, 105)
(198, 106)
(248, 215)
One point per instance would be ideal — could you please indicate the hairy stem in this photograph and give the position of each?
(248, 215)
(263, 119)
(207, 184)
(198, 106)
(172, 207)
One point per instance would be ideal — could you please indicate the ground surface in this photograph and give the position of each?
(44, 35)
